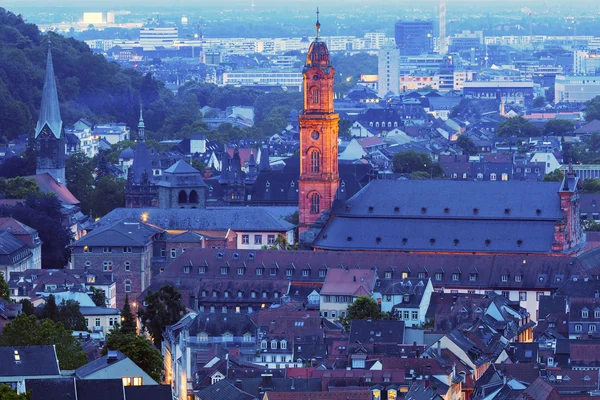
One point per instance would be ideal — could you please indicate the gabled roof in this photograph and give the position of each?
(363, 331)
(349, 282)
(181, 167)
(98, 365)
(223, 390)
(125, 232)
(28, 361)
(15, 227)
(50, 108)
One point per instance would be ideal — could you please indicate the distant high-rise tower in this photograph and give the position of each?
(443, 47)
(414, 38)
(388, 70)
(49, 135)
(319, 178)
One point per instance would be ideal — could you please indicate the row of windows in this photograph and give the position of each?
(240, 294)
(438, 276)
(413, 314)
(225, 309)
(389, 124)
(258, 239)
(107, 266)
(274, 344)
(88, 249)
(259, 271)
(585, 314)
(337, 299)
(579, 328)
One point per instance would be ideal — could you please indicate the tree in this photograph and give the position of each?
(344, 128)
(98, 297)
(198, 164)
(419, 175)
(363, 308)
(163, 308)
(558, 127)
(4, 289)
(78, 170)
(467, 145)
(108, 195)
(554, 176)
(407, 162)
(50, 310)
(139, 349)
(518, 126)
(43, 213)
(27, 307)
(28, 331)
(19, 188)
(592, 109)
(127, 318)
(539, 101)
(71, 317)
(7, 393)
(591, 186)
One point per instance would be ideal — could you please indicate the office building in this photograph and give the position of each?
(389, 70)
(576, 89)
(586, 62)
(158, 37)
(414, 37)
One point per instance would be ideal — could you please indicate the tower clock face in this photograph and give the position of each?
(315, 135)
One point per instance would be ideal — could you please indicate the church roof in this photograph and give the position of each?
(181, 167)
(49, 185)
(446, 216)
(50, 109)
(141, 163)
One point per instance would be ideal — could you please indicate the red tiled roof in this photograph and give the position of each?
(339, 395)
(244, 154)
(48, 185)
(349, 282)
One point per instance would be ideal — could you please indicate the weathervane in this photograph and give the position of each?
(318, 24)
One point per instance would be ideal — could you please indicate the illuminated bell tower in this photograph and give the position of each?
(319, 177)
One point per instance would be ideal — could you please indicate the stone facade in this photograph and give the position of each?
(132, 270)
(319, 177)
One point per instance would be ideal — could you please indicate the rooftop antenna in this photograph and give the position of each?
(318, 24)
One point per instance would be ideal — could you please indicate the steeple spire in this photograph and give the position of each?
(140, 133)
(49, 109)
(318, 24)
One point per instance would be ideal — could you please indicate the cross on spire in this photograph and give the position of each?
(318, 24)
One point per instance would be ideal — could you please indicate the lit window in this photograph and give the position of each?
(126, 381)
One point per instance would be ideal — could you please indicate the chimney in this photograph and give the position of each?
(112, 356)
(238, 384)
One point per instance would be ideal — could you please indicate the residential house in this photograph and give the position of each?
(113, 133)
(343, 285)
(115, 365)
(94, 389)
(409, 298)
(20, 363)
(197, 338)
(27, 235)
(15, 256)
(101, 319)
(584, 317)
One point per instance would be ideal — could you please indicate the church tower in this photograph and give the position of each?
(49, 135)
(319, 177)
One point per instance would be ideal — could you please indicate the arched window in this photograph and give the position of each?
(183, 197)
(315, 165)
(193, 197)
(389, 124)
(127, 286)
(315, 203)
(396, 124)
(315, 96)
(376, 124)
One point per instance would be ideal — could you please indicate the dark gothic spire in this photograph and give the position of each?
(50, 109)
(140, 132)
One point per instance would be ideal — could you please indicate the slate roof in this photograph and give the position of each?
(9, 244)
(452, 216)
(50, 108)
(33, 361)
(100, 389)
(338, 394)
(52, 389)
(223, 390)
(221, 218)
(181, 167)
(551, 305)
(15, 227)
(363, 331)
(98, 365)
(148, 392)
(124, 232)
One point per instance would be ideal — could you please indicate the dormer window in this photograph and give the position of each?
(240, 294)
(518, 278)
(504, 277)
(388, 275)
(584, 313)
(263, 345)
(438, 276)
(289, 272)
(472, 277)
(455, 276)
(273, 344)
(240, 271)
(283, 345)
